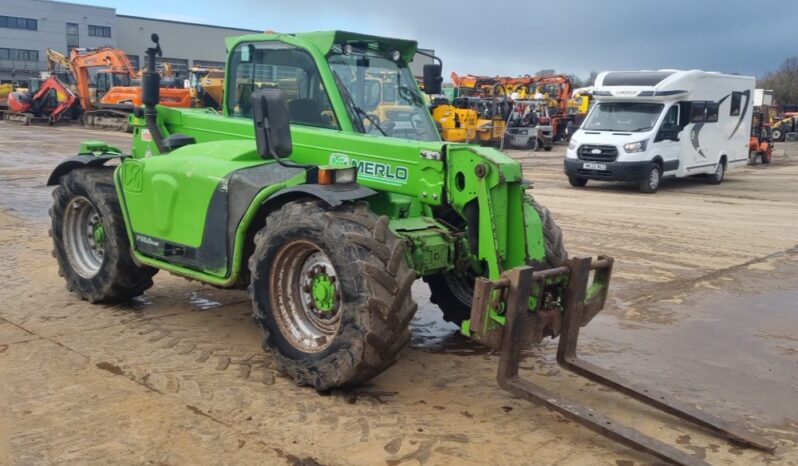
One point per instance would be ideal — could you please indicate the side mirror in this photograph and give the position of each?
(432, 78)
(272, 123)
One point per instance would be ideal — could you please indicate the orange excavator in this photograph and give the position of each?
(51, 102)
(113, 94)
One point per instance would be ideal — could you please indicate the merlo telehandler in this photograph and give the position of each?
(327, 214)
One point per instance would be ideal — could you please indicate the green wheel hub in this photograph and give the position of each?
(98, 234)
(323, 291)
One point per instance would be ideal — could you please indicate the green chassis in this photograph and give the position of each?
(193, 211)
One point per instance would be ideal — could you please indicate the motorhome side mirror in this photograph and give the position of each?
(432, 78)
(272, 123)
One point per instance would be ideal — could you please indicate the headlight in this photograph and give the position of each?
(572, 144)
(328, 175)
(638, 146)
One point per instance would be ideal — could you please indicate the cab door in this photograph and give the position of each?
(666, 143)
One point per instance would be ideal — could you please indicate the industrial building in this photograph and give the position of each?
(29, 27)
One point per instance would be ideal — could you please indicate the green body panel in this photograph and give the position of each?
(176, 190)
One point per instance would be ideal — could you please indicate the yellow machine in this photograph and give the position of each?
(456, 124)
(207, 87)
(579, 103)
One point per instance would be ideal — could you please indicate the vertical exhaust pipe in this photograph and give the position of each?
(151, 94)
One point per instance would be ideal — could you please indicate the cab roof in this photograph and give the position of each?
(324, 41)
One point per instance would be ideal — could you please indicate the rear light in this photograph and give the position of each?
(337, 175)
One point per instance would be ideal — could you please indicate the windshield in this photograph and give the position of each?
(382, 96)
(623, 116)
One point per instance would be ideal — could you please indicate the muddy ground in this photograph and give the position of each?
(703, 306)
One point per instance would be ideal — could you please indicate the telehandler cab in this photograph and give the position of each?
(327, 214)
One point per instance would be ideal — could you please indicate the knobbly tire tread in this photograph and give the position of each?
(377, 311)
(120, 278)
(456, 311)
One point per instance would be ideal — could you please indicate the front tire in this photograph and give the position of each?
(577, 182)
(650, 183)
(331, 289)
(90, 240)
(453, 293)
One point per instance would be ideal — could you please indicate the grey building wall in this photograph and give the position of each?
(188, 44)
(417, 65)
(52, 18)
(181, 41)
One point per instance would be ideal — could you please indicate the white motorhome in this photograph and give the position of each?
(646, 125)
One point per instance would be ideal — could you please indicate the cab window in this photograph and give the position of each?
(274, 64)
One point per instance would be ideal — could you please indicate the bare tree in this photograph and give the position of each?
(591, 79)
(783, 82)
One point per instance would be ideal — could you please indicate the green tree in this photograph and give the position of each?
(783, 82)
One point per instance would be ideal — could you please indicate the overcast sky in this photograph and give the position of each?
(519, 37)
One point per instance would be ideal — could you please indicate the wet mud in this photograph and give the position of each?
(703, 306)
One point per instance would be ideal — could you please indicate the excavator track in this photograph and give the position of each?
(107, 119)
(581, 302)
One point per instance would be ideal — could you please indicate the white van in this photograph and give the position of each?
(646, 125)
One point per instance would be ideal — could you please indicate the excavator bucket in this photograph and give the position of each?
(581, 301)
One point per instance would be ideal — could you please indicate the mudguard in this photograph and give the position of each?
(78, 161)
(92, 154)
(332, 194)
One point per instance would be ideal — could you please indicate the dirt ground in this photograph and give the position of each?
(703, 307)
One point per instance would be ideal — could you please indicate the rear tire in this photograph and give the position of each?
(453, 293)
(337, 325)
(577, 182)
(720, 173)
(777, 134)
(90, 240)
(650, 183)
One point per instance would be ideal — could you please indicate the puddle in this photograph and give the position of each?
(429, 332)
(728, 351)
(202, 303)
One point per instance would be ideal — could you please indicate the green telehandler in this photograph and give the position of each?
(327, 205)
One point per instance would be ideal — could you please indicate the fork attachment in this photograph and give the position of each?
(579, 304)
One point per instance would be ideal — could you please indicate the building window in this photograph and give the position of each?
(134, 60)
(99, 31)
(72, 36)
(208, 64)
(19, 23)
(19, 54)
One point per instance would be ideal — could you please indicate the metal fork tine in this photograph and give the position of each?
(521, 283)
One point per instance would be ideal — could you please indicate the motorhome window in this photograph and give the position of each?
(698, 112)
(623, 116)
(672, 117)
(274, 64)
(736, 103)
(635, 78)
(712, 112)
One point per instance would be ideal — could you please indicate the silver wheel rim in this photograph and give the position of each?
(653, 178)
(290, 280)
(83, 250)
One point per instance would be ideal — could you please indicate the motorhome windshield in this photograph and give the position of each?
(623, 116)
